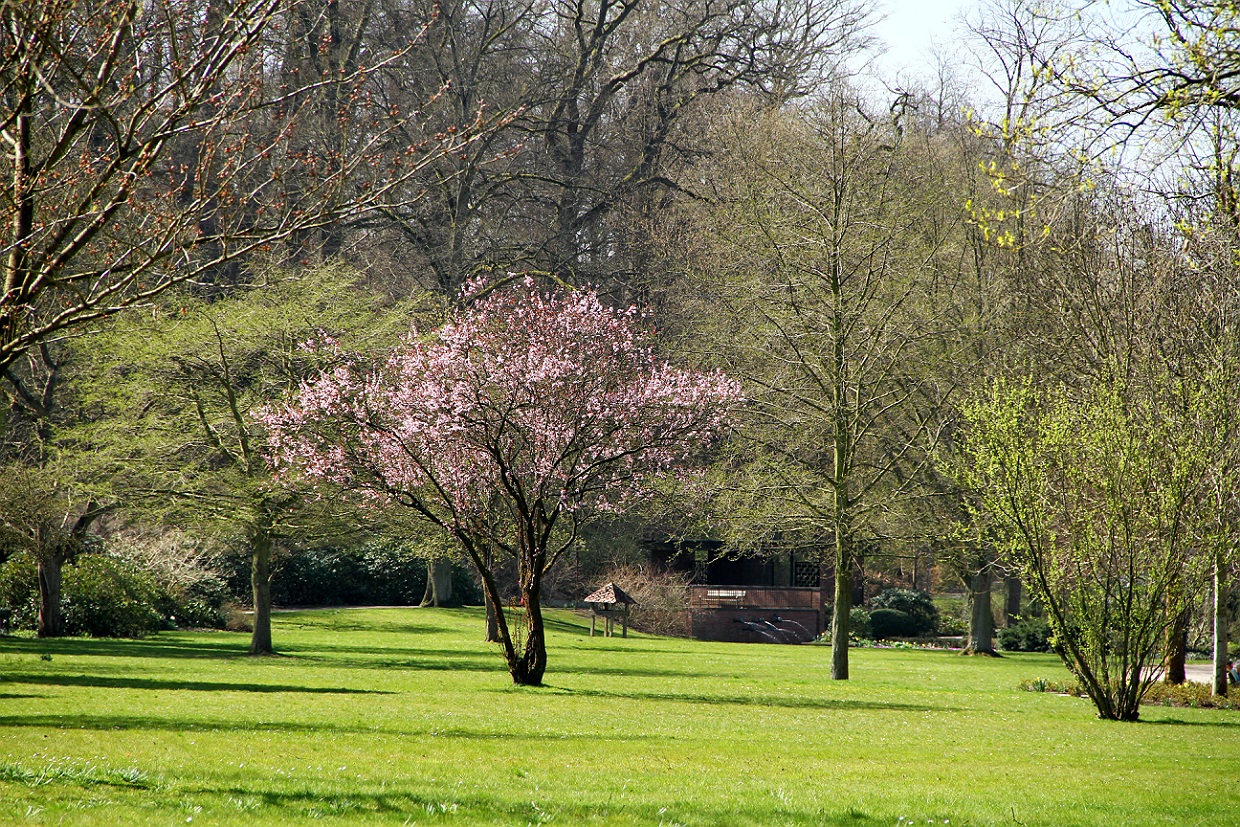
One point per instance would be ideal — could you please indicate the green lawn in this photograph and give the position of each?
(402, 716)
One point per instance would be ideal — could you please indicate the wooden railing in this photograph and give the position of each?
(753, 597)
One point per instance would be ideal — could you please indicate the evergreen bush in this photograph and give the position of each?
(1027, 634)
(859, 624)
(889, 623)
(913, 602)
(19, 590)
(106, 597)
(375, 574)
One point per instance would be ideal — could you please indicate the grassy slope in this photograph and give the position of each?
(402, 716)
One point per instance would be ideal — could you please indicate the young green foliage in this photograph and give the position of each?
(177, 392)
(1093, 494)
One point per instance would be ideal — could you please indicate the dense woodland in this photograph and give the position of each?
(983, 318)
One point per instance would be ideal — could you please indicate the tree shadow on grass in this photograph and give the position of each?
(750, 700)
(103, 682)
(136, 723)
(1179, 722)
(441, 665)
(414, 660)
(452, 805)
(235, 646)
(388, 628)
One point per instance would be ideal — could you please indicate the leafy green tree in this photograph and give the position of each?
(45, 515)
(178, 391)
(1093, 493)
(48, 500)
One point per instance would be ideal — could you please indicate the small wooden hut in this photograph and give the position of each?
(610, 602)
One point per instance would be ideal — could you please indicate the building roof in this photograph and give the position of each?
(611, 593)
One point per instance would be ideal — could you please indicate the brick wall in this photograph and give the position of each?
(746, 625)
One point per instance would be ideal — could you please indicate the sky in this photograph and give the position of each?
(912, 26)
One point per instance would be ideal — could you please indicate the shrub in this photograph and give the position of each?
(373, 574)
(1057, 687)
(19, 590)
(106, 597)
(889, 623)
(662, 598)
(1192, 695)
(951, 625)
(190, 589)
(916, 604)
(859, 624)
(1027, 634)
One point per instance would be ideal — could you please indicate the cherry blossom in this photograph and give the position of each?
(526, 415)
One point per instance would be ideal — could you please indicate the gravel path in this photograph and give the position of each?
(1199, 672)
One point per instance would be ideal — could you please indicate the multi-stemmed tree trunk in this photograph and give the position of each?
(1091, 494)
(524, 416)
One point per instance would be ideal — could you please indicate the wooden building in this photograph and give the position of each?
(782, 596)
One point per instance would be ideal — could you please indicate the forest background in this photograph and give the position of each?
(939, 292)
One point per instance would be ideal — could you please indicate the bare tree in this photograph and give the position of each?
(151, 143)
(823, 250)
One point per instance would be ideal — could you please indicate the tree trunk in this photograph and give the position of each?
(981, 615)
(843, 607)
(493, 609)
(529, 668)
(51, 619)
(492, 633)
(1177, 650)
(1221, 591)
(260, 583)
(439, 584)
(1011, 599)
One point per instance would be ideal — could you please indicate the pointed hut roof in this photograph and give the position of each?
(611, 593)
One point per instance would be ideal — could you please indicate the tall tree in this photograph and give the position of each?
(177, 392)
(148, 144)
(822, 246)
(51, 501)
(605, 96)
(43, 512)
(508, 428)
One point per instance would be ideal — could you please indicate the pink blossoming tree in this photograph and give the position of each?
(509, 428)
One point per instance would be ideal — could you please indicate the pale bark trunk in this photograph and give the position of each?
(439, 584)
